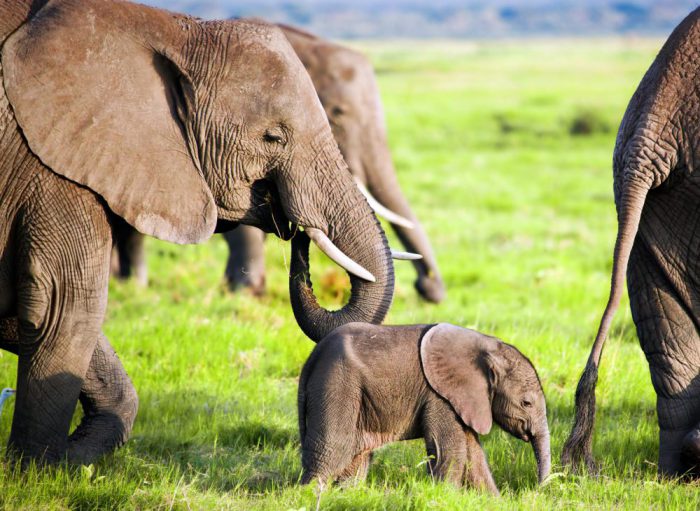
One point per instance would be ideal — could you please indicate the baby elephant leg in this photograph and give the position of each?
(444, 442)
(330, 443)
(357, 470)
(109, 404)
(455, 453)
(477, 473)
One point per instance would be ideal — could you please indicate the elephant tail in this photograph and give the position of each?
(630, 205)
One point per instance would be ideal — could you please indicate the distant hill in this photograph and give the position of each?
(452, 18)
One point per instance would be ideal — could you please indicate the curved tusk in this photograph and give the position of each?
(383, 211)
(327, 247)
(405, 256)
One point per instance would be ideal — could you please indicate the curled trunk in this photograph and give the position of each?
(369, 301)
(338, 211)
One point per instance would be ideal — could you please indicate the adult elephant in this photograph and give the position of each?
(112, 111)
(657, 194)
(346, 85)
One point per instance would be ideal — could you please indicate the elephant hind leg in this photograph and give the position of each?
(667, 328)
(109, 403)
(356, 470)
(326, 459)
(331, 442)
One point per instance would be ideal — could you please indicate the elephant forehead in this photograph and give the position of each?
(269, 86)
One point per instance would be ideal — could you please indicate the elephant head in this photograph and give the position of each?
(179, 123)
(346, 85)
(486, 380)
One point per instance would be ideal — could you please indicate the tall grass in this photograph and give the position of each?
(504, 150)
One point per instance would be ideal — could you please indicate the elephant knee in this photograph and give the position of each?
(677, 413)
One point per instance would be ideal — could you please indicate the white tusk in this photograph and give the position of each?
(328, 248)
(405, 256)
(383, 211)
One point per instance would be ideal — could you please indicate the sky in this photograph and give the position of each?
(451, 18)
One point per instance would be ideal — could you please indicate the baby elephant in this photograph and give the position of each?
(366, 385)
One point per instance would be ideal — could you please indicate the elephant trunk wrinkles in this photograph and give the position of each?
(357, 233)
(630, 205)
(383, 185)
(540, 446)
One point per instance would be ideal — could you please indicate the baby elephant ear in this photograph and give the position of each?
(99, 105)
(455, 367)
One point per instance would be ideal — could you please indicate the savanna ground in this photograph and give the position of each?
(504, 149)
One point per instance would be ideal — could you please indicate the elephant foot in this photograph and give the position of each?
(98, 435)
(431, 289)
(356, 471)
(679, 453)
(102, 429)
(691, 444)
(691, 451)
(254, 285)
(109, 402)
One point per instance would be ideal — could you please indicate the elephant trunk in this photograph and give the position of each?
(369, 301)
(350, 227)
(630, 205)
(383, 184)
(540, 446)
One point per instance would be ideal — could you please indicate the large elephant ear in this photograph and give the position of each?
(455, 367)
(100, 106)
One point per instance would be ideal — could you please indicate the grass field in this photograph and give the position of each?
(504, 149)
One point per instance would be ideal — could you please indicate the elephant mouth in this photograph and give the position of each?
(268, 210)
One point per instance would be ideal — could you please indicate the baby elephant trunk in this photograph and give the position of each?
(540, 444)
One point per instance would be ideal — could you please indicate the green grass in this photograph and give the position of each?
(520, 211)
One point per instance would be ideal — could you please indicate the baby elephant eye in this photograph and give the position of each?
(526, 403)
(274, 137)
(337, 111)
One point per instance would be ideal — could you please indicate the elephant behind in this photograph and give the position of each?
(345, 82)
(657, 191)
(113, 112)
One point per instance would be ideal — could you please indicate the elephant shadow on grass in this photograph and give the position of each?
(236, 452)
(233, 452)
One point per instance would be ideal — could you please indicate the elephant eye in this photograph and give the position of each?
(274, 137)
(526, 403)
(337, 111)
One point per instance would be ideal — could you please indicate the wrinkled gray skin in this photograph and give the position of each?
(346, 85)
(214, 124)
(658, 246)
(365, 385)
